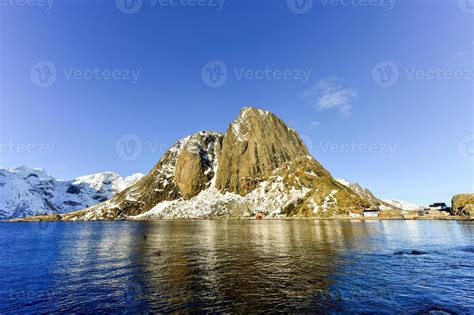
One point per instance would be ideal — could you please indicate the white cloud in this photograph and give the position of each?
(328, 94)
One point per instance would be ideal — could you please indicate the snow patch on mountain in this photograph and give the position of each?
(211, 203)
(270, 197)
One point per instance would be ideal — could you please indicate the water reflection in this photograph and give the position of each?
(238, 266)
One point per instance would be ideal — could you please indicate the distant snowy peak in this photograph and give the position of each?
(383, 204)
(362, 192)
(404, 205)
(26, 191)
(25, 172)
(107, 181)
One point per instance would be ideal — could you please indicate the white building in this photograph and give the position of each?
(368, 213)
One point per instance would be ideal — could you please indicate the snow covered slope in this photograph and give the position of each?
(28, 191)
(362, 192)
(382, 204)
(404, 205)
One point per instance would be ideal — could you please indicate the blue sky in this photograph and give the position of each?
(382, 94)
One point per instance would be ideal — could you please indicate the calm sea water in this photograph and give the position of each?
(237, 266)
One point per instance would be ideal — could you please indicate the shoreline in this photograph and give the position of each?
(446, 218)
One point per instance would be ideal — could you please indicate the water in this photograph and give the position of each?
(237, 266)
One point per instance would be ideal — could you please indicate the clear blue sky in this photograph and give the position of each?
(419, 129)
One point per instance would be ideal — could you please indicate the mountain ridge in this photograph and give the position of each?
(259, 165)
(26, 191)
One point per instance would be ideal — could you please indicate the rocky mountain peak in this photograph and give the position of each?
(258, 165)
(256, 143)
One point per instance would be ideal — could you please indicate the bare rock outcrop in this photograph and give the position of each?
(463, 204)
(255, 144)
(195, 164)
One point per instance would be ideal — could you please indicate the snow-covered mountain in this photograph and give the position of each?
(361, 192)
(366, 194)
(28, 191)
(382, 204)
(258, 166)
(404, 205)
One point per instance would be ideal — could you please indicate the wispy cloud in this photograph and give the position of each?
(328, 94)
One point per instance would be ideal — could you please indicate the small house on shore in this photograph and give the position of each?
(355, 214)
(440, 206)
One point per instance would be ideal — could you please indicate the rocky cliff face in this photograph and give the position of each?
(195, 165)
(255, 144)
(463, 204)
(258, 165)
